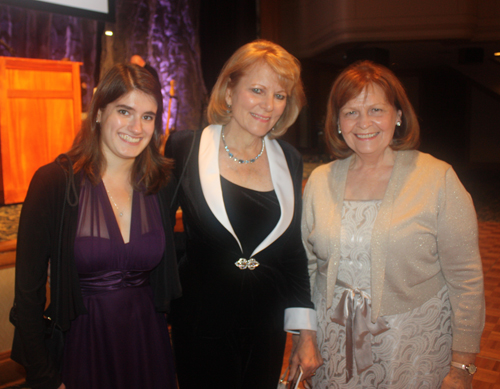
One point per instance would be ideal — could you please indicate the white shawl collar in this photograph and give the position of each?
(208, 166)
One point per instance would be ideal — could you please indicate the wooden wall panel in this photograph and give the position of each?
(40, 114)
(60, 136)
(34, 81)
(309, 28)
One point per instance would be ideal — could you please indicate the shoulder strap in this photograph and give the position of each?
(183, 170)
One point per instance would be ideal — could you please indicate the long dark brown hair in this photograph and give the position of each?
(151, 170)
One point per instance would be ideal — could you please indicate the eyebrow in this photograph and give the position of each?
(125, 106)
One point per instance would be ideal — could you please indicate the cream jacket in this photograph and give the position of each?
(425, 236)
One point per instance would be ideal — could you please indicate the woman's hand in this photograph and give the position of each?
(305, 353)
(458, 378)
(62, 386)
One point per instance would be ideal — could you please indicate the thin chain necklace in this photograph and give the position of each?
(231, 155)
(120, 213)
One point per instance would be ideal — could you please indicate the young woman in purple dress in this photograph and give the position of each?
(97, 217)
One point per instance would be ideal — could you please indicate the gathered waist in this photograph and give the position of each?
(106, 281)
(353, 312)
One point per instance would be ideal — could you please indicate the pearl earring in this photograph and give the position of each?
(340, 131)
(398, 123)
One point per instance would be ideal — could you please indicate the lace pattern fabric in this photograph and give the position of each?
(414, 353)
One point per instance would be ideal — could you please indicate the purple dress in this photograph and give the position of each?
(122, 342)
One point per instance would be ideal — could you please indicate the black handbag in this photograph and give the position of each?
(54, 337)
(54, 341)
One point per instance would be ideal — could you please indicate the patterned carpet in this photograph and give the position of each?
(9, 219)
(488, 360)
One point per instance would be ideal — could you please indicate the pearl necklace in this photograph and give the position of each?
(120, 213)
(231, 155)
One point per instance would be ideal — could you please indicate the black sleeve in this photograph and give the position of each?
(165, 277)
(37, 225)
(297, 276)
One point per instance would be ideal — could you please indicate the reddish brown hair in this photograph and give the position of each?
(151, 170)
(349, 84)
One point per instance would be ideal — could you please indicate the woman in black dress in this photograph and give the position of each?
(244, 272)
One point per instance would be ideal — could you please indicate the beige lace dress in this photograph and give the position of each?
(409, 350)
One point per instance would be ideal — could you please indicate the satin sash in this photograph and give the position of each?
(353, 312)
(111, 280)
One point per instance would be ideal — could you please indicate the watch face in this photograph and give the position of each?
(471, 369)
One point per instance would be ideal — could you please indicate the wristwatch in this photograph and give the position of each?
(470, 368)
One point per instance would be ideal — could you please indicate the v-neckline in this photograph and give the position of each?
(115, 220)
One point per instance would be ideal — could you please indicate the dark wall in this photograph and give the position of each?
(444, 114)
(225, 25)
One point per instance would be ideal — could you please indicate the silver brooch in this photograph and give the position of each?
(250, 264)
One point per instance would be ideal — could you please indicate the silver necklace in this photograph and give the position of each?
(120, 213)
(231, 155)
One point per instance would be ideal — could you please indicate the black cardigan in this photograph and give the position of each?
(37, 243)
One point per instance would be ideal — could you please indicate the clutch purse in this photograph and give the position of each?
(293, 384)
(283, 383)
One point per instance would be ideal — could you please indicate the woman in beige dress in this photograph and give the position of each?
(391, 236)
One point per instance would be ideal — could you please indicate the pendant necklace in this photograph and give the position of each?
(120, 213)
(231, 155)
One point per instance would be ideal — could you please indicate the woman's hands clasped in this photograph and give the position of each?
(305, 353)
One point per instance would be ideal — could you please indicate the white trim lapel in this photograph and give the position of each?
(208, 166)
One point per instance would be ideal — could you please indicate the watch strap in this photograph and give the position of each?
(470, 368)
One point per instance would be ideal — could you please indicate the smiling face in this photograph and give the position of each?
(257, 101)
(368, 122)
(127, 125)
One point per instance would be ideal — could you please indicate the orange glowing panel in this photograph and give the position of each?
(40, 114)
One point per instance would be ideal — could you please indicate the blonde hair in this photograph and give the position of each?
(286, 66)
